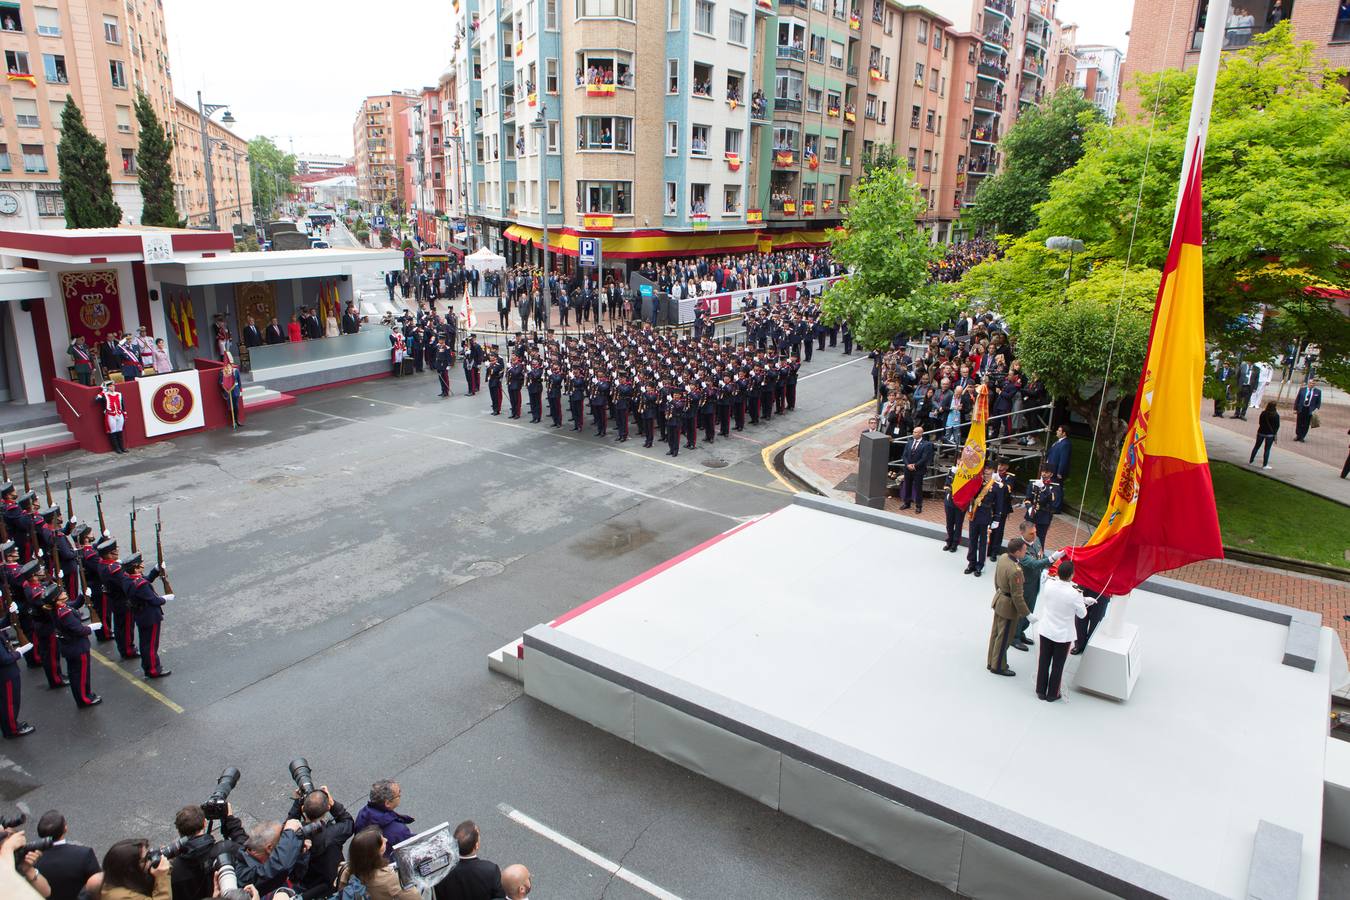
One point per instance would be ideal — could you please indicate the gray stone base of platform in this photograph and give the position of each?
(288, 383)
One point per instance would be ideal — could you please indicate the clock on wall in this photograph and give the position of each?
(9, 204)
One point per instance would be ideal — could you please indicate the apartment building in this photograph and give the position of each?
(424, 164)
(231, 177)
(99, 53)
(380, 140)
(1097, 75)
(318, 163)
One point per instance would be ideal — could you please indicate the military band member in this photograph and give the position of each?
(623, 399)
(554, 391)
(73, 637)
(689, 421)
(148, 609)
(576, 399)
(649, 399)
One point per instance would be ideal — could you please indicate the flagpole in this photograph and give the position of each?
(1202, 101)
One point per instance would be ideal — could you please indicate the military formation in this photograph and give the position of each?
(66, 586)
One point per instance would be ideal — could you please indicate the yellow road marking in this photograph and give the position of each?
(136, 682)
(768, 452)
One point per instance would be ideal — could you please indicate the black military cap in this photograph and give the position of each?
(105, 545)
(8, 546)
(80, 531)
(50, 512)
(132, 560)
(28, 568)
(29, 498)
(50, 592)
(7, 487)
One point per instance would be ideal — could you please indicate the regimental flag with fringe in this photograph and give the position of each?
(966, 480)
(1161, 513)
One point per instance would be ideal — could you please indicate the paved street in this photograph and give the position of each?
(343, 568)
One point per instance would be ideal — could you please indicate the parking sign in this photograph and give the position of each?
(588, 251)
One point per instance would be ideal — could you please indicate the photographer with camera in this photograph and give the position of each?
(19, 880)
(130, 874)
(271, 854)
(326, 838)
(192, 867)
(66, 865)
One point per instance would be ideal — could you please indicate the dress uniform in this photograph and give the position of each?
(534, 389)
(1002, 491)
(10, 687)
(73, 637)
(440, 362)
(675, 412)
(515, 380)
(148, 608)
(623, 399)
(43, 620)
(554, 391)
(495, 369)
(1008, 606)
(1043, 498)
(97, 596)
(115, 582)
(981, 515)
(576, 399)
(600, 388)
(954, 515)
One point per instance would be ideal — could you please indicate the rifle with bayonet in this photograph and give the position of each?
(98, 502)
(47, 485)
(159, 553)
(4, 464)
(70, 505)
(26, 486)
(10, 614)
(133, 525)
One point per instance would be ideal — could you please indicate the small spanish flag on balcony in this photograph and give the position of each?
(832, 112)
(875, 73)
(808, 207)
(597, 222)
(812, 161)
(534, 99)
(764, 4)
(520, 48)
(754, 216)
(731, 102)
(854, 23)
(734, 162)
(599, 90)
(789, 207)
(24, 77)
(783, 158)
(850, 117)
(826, 205)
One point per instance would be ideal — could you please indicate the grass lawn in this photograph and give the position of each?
(1255, 512)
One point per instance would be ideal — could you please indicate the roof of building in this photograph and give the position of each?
(123, 243)
(278, 265)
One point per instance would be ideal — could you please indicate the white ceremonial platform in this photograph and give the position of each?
(849, 690)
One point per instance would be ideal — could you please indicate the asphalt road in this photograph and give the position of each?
(343, 567)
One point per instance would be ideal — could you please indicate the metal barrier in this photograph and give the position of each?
(990, 444)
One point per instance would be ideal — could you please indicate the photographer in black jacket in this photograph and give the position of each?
(325, 850)
(191, 873)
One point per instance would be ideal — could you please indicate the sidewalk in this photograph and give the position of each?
(828, 462)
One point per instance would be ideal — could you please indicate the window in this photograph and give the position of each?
(698, 142)
(785, 137)
(942, 87)
(735, 91)
(550, 76)
(808, 193)
(817, 51)
(118, 73)
(965, 128)
(673, 15)
(970, 87)
(813, 96)
(918, 74)
(937, 40)
(672, 198)
(26, 113)
(672, 139)
(703, 80)
(736, 28)
(791, 39)
(733, 140)
(16, 62)
(605, 67)
(731, 198)
(604, 133)
(928, 160)
(836, 55)
(604, 196)
(34, 158)
(551, 15)
(554, 195)
(111, 33)
(928, 120)
(58, 108)
(128, 162)
(531, 16)
(672, 76)
(5, 164)
(50, 203)
(787, 89)
(831, 149)
(870, 109)
(11, 20)
(48, 21)
(827, 194)
(604, 9)
(698, 199)
(703, 16)
(882, 118)
(552, 132)
(914, 114)
(54, 67)
(922, 36)
(839, 8)
(832, 103)
(913, 157)
(890, 21)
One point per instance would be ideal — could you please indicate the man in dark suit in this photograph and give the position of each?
(1057, 461)
(66, 866)
(915, 457)
(1308, 401)
(252, 336)
(471, 878)
(274, 333)
(351, 320)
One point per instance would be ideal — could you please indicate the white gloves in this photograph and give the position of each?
(168, 596)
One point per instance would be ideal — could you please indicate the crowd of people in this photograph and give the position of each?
(960, 257)
(128, 355)
(319, 850)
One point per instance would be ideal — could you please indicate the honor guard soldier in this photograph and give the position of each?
(675, 412)
(707, 410)
(15, 522)
(115, 582)
(555, 388)
(576, 399)
(981, 515)
(85, 539)
(42, 619)
(495, 370)
(515, 380)
(954, 515)
(440, 362)
(1003, 507)
(10, 685)
(1043, 498)
(724, 405)
(623, 399)
(114, 417)
(473, 361)
(649, 398)
(148, 608)
(72, 635)
(600, 388)
(534, 389)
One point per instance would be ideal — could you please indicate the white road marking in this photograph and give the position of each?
(832, 368)
(534, 462)
(590, 856)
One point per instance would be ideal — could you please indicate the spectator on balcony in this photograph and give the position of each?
(1275, 15)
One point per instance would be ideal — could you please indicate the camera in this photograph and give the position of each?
(38, 846)
(15, 822)
(302, 776)
(214, 807)
(311, 830)
(170, 850)
(224, 866)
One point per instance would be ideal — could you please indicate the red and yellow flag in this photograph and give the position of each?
(1161, 514)
(966, 479)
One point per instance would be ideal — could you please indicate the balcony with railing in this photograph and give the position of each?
(989, 100)
(1039, 9)
(979, 165)
(998, 37)
(1038, 37)
(984, 134)
(1031, 95)
(1240, 32)
(1003, 8)
(759, 106)
(785, 104)
(994, 67)
(796, 53)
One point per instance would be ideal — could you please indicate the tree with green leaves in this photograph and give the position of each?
(880, 156)
(1046, 140)
(888, 291)
(1276, 195)
(271, 172)
(86, 179)
(153, 158)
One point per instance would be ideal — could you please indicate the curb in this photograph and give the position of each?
(796, 466)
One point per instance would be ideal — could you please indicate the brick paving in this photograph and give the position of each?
(832, 454)
(1325, 444)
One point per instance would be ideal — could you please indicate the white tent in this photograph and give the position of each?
(484, 260)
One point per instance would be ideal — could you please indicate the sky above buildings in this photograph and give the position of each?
(297, 71)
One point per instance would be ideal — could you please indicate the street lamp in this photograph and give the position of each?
(235, 156)
(540, 125)
(1073, 245)
(204, 112)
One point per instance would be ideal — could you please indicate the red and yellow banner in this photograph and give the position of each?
(754, 216)
(966, 480)
(597, 221)
(826, 205)
(24, 77)
(854, 23)
(731, 102)
(789, 207)
(599, 90)
(783, 158)
(734, 162)
(533, 99)
(520, 48)
(93, 305)
(808, 207)
(812, 161)
(850, 116)
(832, 112)
(1161, 514)
(875, 73)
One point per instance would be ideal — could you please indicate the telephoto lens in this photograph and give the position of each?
(224, 866)
(300, 773)
(311, 830)
(214, 807)
(15, 822)
(41, 845)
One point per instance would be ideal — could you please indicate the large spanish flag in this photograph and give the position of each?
(1161, 514)
(966, 480)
